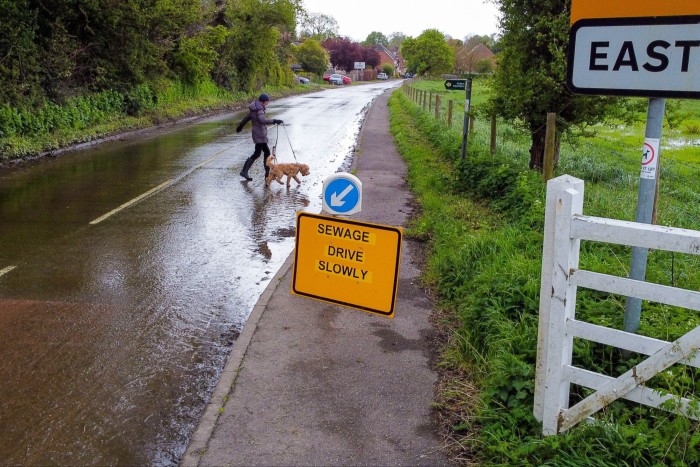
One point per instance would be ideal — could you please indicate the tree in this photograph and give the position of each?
(312, 56)
(343, 52)
(396, 39)
(317, 26)
(371, 57)
(473, 40)
(530, 78)
(258, 43)
(374, 38)
(19, 54)
(428, 54)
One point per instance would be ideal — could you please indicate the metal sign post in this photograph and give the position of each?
(645, 48)
(645, 204)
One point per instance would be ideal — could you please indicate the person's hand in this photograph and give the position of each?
(277, 121)
(238, 129)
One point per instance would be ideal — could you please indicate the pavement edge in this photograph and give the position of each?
(200, 438)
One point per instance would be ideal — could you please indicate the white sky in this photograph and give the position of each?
(457, 18)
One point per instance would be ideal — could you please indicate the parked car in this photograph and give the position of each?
(326, 77)
(336, 79)
(303, 80)
(382, 76)
(346, 79)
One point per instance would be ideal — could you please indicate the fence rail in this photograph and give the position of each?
(565, 227)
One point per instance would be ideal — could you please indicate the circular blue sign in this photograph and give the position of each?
(341, 195)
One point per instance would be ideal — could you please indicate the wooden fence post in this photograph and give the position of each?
(450, 105)
(493, 135)
(549, 147)
(471, 125)
(430, 101)
(437, 107)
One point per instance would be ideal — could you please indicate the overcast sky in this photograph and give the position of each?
(458, 18)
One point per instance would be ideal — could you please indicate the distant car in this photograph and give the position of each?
(346, 79)
(303, 80)
(382, 76)
(326, 76)
(336, 79)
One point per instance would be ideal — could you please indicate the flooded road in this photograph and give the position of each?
(127, 271)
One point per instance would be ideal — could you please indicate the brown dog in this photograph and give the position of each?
(277, 171)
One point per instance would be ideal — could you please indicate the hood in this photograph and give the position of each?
(255, 106)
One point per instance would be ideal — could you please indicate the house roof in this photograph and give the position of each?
(381, 48)
(480, 51)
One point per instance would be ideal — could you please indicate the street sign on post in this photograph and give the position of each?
(456, 84)
(342, 194)
(645, 48)
(346, 262)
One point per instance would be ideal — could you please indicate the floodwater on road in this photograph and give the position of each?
(128, 270)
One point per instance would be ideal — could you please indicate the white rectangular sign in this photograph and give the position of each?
(636, 57)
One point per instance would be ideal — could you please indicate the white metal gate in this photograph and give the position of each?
(565, 227)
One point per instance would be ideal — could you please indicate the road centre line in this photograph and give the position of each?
(133, 201)
(6, 270)
(160, 187)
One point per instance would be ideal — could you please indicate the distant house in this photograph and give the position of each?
(465, 59)
(481, 52)
(388, 57)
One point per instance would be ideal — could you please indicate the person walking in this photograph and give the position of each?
(256, 114)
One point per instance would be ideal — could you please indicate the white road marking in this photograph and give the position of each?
(129, 203)
(156, 189)
(6, 270)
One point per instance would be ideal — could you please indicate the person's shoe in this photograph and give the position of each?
(244, 174)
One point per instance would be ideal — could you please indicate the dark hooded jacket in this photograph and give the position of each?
(257, 115)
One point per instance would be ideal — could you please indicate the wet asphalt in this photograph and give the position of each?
(313, 383)
(128, 269)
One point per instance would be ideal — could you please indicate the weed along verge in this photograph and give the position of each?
(482, 219)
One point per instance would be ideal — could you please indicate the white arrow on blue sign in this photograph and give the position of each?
(342, 194)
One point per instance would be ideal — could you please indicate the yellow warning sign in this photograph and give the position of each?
(594, 9)
(347, 262)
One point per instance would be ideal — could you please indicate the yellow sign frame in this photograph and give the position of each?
(347, 262)
(600, 9)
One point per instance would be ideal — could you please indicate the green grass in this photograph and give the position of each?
(482, 221)
(173, 101)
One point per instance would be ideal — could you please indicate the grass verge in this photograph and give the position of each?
(483, 222)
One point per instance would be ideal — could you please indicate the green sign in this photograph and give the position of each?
(456, 84)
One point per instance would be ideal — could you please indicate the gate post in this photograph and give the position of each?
(557, 300)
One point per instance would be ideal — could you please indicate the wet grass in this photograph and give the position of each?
(482, 220)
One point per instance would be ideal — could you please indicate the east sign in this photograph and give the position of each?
(347, 262)
(642, 48)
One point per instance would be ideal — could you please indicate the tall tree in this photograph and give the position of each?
(317, 26)
(312, 57)
(396, 39)
(428, 54)
(259, 39)
(19, 54)
(530, 78)
(343, 52)
(375, 38)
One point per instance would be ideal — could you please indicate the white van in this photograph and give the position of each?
(382, 76)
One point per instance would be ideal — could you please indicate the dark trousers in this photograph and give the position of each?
(260, 148)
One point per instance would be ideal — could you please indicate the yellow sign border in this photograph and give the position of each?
(327, 295)
(602, 9)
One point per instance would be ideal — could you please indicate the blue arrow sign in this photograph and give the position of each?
(342, 194)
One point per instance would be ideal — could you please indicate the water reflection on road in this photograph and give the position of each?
(113, 334)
